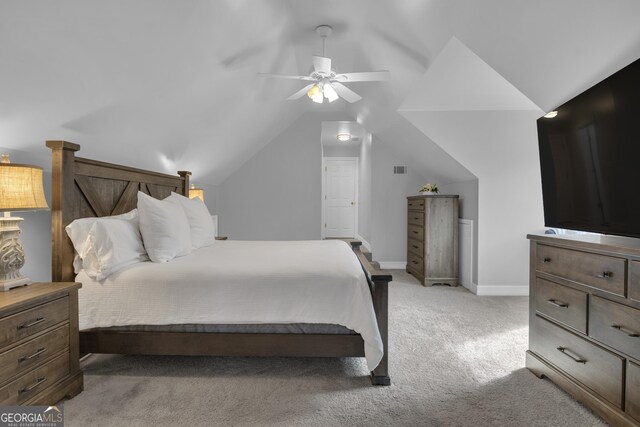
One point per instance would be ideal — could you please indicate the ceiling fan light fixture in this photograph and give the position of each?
(330, 92)
(344, 137)
(315, 93)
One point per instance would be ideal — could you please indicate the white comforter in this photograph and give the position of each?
(240, 282)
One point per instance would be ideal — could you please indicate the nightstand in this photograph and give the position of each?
(39, 351)
(221, 237)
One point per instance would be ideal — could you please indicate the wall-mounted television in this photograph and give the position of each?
(590, 158)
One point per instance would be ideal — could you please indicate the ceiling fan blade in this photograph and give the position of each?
(301, 92)
(370, 76)
(322, 64)
(284, 76)
(346, 93)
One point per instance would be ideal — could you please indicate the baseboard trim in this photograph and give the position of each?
(366, 244)
(501, 290)
(393, 265)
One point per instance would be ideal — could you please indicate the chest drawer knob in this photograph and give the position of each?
(627, 331)
(605, 275)
(546, 260)
(32, 323)
(572, 355)
(37, 353)
(558, 303)
(34, 385)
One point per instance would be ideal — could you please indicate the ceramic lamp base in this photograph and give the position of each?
(11, 254)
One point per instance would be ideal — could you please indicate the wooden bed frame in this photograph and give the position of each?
(89, 188)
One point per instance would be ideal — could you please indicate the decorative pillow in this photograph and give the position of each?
(164, 227)
(113, 245)
(78, 232)
(203, 232)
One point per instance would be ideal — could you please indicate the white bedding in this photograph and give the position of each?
(234, 282)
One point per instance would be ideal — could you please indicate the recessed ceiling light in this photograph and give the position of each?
(551, 114)
(344, 137)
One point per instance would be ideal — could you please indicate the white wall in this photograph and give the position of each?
(389, 206)
(333, 151)
(364, 191)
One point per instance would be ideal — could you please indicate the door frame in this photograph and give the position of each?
(323, 195)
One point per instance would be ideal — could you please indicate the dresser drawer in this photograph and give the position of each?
(415, 247)
(416, 204)
(616, 325)
(633, 390)
(415, 232)
(31, 383)
(28, 322)
(634, 280)
(24, 357)
(415, 262)
(593, 366)
(599, 271)
(563, 304)
(416, 218)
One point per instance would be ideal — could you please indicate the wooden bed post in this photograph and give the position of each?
(379, 283)
(62, 196)
(185, 176)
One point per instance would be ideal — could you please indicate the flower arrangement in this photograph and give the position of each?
(429, 189)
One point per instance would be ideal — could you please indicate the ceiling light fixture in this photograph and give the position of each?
(551, 114)
(315, 93)
(344, 137)
(329, 92)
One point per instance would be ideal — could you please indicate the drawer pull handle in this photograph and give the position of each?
(415, 232)
(414, 262)
(30, 324)
(605, 275)
(571, 356)
(558, 303)
(34, 385)
(629, 332)
(546, 260)
(415, 247)
(37, 353)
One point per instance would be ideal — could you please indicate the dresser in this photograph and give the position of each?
(584, 320)
(432, 239)
(39, 352)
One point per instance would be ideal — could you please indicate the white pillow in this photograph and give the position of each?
(113, 245)
(78, 232)
(164, 227)
(203, 232)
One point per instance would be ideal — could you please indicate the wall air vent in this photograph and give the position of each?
(399, 170)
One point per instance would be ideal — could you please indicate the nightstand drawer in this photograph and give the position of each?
(416, 247)
(30, 384)
(633, 390)
(593, 366)
(566, 305)
(28, 322)
(415, 262)
(616, 325)
(599, 271)
(32, 353)
(416, 205)
(416, 218)
(415, 232)
(634, 280)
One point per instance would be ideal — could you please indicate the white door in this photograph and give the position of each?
(340, 198)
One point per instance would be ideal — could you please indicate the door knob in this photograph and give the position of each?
(353, 203)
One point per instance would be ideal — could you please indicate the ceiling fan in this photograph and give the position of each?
(326, 83)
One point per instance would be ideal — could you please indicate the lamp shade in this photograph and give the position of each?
(196, 192)
(21, 187)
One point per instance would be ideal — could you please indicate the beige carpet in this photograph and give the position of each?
(455, 360)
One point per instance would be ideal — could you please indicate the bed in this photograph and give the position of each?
(89, 188)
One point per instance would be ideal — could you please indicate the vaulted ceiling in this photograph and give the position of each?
(173, 84)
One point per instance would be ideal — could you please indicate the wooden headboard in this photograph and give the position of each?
(83, 188)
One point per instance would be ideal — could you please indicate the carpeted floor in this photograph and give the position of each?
(455, 360)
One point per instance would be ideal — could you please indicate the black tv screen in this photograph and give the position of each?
(590, 158)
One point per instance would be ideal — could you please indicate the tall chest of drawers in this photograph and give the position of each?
(584, 320)
(39, 352)
(432, 239)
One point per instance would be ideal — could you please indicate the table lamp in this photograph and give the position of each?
(21, 189)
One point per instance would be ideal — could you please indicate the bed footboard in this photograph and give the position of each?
(379, 285)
